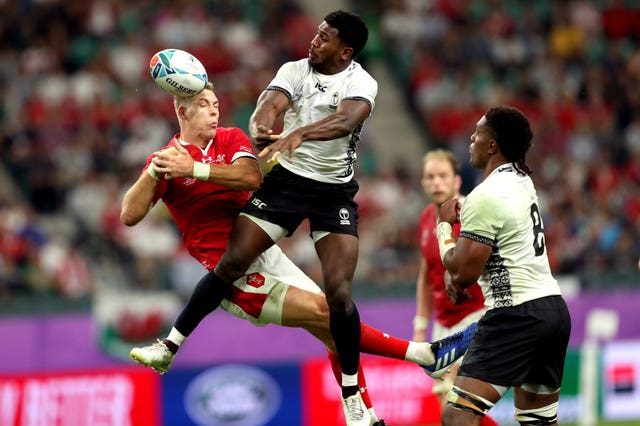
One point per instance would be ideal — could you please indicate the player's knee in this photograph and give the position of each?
(321, 308)
(463, 400)
(231, 267)
(339, 301)
(543, 416)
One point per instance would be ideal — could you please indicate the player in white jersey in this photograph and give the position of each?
(326, 99)
(312, 97)
(522, 339)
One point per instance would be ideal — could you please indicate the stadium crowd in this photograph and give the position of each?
(80, 115)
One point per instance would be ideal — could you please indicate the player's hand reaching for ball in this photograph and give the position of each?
(174, 162)
(263, 137)
(287, 143)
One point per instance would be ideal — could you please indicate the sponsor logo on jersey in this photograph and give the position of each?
(344, 217)
(321, 87)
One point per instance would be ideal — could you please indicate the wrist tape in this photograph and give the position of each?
(152, 172)
(446, 238)
(420, 323)
(201, 171)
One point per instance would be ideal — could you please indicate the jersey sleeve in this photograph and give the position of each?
(239, 145)
(286, 79)
(363, 87)
(481, 217)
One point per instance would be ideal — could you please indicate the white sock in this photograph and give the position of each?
(349, 380)
(420, 353)
(372, 413)
(176, 337)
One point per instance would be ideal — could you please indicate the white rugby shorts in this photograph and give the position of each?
(259, 295)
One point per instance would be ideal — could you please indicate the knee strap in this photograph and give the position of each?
(467, 401)
(538, 416)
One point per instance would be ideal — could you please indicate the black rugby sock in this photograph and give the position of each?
(345, 330)
(206, 297)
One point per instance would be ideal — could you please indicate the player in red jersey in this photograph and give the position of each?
(204, 176)
(441, 181)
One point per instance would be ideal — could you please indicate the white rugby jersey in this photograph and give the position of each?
(503, 212)
(314, 96)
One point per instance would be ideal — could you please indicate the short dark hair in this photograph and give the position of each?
(351, 29)
(513, 134)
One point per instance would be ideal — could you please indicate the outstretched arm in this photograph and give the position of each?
(271, 103)
(349, 114)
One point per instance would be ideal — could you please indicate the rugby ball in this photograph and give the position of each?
(178, 72)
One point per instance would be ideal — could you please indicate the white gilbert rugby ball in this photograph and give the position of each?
(178, 72)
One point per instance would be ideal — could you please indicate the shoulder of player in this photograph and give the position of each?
(486, 193)
(301, 66)
(230, 132)
(362, 76)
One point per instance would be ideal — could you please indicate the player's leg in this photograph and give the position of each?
(338, 255)
(288, 305)
(295, 300)
(445, 384)
(309, 310)
(362, 383)
(246, 242)
(536, 400)
(513, 346)
(468, 402)
(536, 404)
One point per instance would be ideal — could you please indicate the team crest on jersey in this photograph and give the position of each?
(335, 100)
(344, 217)
(189, 181)
(255, 280)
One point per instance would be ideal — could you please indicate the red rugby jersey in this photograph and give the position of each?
(446, 313)
(203, 211)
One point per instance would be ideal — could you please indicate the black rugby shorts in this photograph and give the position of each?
(520, 344)
(287, 199)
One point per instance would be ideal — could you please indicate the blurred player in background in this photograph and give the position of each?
(441, 181)
(204, 175)
(325, 99)
(522, 338)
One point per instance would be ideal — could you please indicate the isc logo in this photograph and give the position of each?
(259, 204)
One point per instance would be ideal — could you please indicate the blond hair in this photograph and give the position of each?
(179, 101)
(442, 154)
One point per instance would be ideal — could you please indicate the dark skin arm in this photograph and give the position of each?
(466, 261)
(272, 103)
